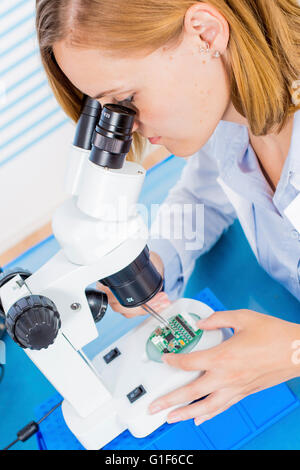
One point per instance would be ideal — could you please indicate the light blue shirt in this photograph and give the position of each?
(226, 177)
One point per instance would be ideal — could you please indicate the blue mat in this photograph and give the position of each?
(229, 430)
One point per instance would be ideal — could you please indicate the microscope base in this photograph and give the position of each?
(130, 370)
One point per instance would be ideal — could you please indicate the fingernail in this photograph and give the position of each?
(201, 420)
(154, 408)
(173, 419)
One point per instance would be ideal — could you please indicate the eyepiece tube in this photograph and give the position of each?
(82, 144)
(90, 114)
(113, 136)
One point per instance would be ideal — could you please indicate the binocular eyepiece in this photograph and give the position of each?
(106, 132)
(113, 136)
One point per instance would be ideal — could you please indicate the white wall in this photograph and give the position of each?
(34, 132)
(32, 187)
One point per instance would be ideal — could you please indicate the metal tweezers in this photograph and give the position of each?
(156, 315)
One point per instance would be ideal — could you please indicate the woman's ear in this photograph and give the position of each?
(206, 22)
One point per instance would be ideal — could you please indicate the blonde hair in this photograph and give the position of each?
(263, 49)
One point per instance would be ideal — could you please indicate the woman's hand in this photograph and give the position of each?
(159, 302)
(263, 352)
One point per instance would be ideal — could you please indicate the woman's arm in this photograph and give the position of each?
(191, 220)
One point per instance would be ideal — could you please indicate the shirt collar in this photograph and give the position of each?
(240, 168)
(285, 191)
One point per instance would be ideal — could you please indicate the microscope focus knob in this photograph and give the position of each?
(33, 322)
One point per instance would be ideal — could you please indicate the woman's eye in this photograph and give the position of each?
(130, 99)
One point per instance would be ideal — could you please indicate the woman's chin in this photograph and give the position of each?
(181, 151)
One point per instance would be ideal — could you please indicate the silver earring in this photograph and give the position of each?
(216, 55)
(204, 49)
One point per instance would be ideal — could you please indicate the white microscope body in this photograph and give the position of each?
(98, 239)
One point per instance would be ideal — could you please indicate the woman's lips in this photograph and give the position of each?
(154, 140)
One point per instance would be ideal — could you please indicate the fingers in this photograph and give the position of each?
(159, 302)
(197, 360)
(230, 319)
(196, 389)
(206, 409)
(218, 403)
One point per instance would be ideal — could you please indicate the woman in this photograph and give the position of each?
(220, 77)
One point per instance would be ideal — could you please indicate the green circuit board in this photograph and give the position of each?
(181, 337)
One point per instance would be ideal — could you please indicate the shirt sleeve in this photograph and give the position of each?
(173, 278)
(194, 215)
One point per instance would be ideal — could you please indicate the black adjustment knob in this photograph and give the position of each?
(33, 322)
(98, 303)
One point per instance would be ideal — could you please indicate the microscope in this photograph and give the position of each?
(52, 313)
